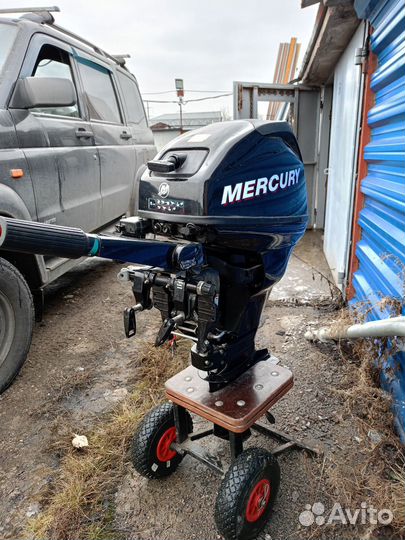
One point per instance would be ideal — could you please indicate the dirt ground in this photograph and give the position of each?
(80, 365)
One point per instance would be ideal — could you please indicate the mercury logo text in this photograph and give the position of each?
(261, 186)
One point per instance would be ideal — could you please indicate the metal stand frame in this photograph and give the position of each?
(185, 443)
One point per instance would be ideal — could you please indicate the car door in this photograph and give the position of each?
(135, 118)
(112, 138)
(59, 144)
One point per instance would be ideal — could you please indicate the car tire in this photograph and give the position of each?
(16, 322)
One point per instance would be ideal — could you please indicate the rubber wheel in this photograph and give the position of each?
(151, 454)
(16, 322)
(247, 495)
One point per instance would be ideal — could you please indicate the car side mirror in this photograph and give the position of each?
(34, 92)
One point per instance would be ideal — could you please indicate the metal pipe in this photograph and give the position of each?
(394, 326)
(50, 9)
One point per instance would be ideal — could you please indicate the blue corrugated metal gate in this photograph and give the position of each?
(381, 250)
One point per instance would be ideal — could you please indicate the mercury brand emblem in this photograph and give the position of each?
(163, 190)
(260, 186)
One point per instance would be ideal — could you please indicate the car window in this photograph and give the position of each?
(54, 62)
(99, 92)
(132, 100)
(7, 36)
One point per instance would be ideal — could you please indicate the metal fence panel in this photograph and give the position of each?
(381, 250)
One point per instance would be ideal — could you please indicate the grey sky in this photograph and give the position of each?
(208, 43)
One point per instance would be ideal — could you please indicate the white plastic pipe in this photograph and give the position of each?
(394, 326)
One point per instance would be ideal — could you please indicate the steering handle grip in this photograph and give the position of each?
(44, 239)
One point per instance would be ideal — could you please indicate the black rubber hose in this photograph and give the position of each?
(43, 239)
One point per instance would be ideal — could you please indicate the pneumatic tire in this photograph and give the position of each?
(151, 454)
(247, 495)
(16, 322)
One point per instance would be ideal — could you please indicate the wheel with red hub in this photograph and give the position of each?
(151, 452)
(247, 494)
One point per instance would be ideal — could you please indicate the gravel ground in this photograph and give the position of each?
(80, 365)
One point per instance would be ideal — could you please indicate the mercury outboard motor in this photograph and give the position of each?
(239, 189)
(219, 211)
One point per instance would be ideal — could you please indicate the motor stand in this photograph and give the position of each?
(185, 443)
(249, 486)
(232, 418)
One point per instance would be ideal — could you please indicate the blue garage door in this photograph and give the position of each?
(381, 250)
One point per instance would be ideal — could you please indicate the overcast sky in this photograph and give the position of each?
(208, 43)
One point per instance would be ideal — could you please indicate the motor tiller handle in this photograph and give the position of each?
(72, 243)
(44, 239)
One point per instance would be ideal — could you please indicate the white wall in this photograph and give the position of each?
(342, 162)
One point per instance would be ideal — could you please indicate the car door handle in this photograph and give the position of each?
(83, 133)
(125, 135)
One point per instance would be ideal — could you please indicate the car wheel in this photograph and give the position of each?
(16, 322)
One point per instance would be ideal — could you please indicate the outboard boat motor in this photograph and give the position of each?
(220, 210)
(226, 205)
(237, 188)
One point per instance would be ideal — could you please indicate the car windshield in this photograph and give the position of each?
(7, 36)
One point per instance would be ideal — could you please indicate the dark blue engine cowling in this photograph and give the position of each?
(238, 188)
(238, 185)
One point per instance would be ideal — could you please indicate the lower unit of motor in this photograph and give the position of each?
(249, 487)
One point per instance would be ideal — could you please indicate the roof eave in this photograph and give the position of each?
(333, 29)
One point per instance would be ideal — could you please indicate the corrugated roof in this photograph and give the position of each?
(190, 119)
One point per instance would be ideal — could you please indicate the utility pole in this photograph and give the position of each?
(147, 111)
(181, 114)
(179, 83)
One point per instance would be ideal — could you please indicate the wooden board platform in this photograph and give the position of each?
(237, 406)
